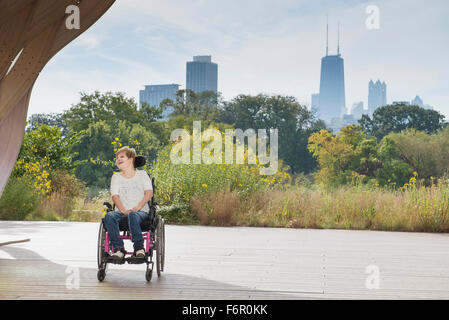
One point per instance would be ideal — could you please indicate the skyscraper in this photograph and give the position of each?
(155, 94)
(201, 74)
(357, 110)
(332, 100)
(417, 102)
(377, 95)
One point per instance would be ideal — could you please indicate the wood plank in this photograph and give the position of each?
(229, 263)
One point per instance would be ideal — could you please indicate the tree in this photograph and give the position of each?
(336, 155)
(426, 154)
(352, 157)
(99, 144)
(107, 116)
(294, 123)
(49, 119)
(396, 118)
(109, 107)
(204, 105)
(395, 170)
(49, 142)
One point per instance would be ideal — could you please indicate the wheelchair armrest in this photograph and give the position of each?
(108, 206)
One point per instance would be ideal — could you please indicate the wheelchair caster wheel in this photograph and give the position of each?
(148, 274)
(149, 271)
(101, 274)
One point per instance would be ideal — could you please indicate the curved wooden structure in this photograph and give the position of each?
(31, 33)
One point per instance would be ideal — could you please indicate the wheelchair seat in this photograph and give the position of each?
(145, 225)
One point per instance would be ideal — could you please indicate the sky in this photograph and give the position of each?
(260, 46)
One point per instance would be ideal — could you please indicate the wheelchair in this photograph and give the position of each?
(153, 233)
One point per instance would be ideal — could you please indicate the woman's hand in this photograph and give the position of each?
(136, 208)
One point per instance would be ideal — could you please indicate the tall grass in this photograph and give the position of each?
(415, 208)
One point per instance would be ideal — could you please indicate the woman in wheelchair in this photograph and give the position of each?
(131, 190)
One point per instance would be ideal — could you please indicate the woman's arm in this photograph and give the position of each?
(145, 199)
(119, 204)
(115, 196)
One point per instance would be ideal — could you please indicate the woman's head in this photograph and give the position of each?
(124, 158)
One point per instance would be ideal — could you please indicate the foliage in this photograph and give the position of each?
(178, 183)
(50, 119)
(99, 144)
(352, 158)
(110, 108)
(390, 171)
(35, 174)
(18, 200)
(415, 208)
(427, 154)
(44, 172)
(396, 118)
(294, 123)
(66, 189)
(204, 105)
(48, 143)
(395, 172)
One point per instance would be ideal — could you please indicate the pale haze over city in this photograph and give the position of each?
(272, 47)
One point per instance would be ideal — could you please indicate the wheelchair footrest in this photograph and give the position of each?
(130, 260)
(135, 260)
(115, 260)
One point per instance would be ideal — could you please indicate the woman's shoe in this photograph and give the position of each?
(140, 253)
(118, 254)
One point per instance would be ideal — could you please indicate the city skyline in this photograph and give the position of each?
(275, 53)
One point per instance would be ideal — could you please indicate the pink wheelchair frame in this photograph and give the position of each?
(149, 242)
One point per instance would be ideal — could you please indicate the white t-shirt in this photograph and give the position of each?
(131, 191)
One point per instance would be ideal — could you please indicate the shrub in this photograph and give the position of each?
(66, 188)
(177, 213)
(216, 208)
(18, 200)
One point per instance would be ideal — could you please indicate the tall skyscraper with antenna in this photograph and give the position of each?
(332, 100)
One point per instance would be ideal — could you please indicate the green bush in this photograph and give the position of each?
(65, 189)
(177, 213)
(18, 200)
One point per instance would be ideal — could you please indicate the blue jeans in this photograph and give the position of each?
(112, 220)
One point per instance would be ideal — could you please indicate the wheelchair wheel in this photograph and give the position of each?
(163, 245)
(101, 258)
(159, 245)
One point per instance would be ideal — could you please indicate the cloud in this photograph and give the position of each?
(260, 46)
(90, 41)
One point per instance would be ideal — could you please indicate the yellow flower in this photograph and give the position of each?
(204, 185)
(415, 173)
(116, 139)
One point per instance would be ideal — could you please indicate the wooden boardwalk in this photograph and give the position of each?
(228, 263)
